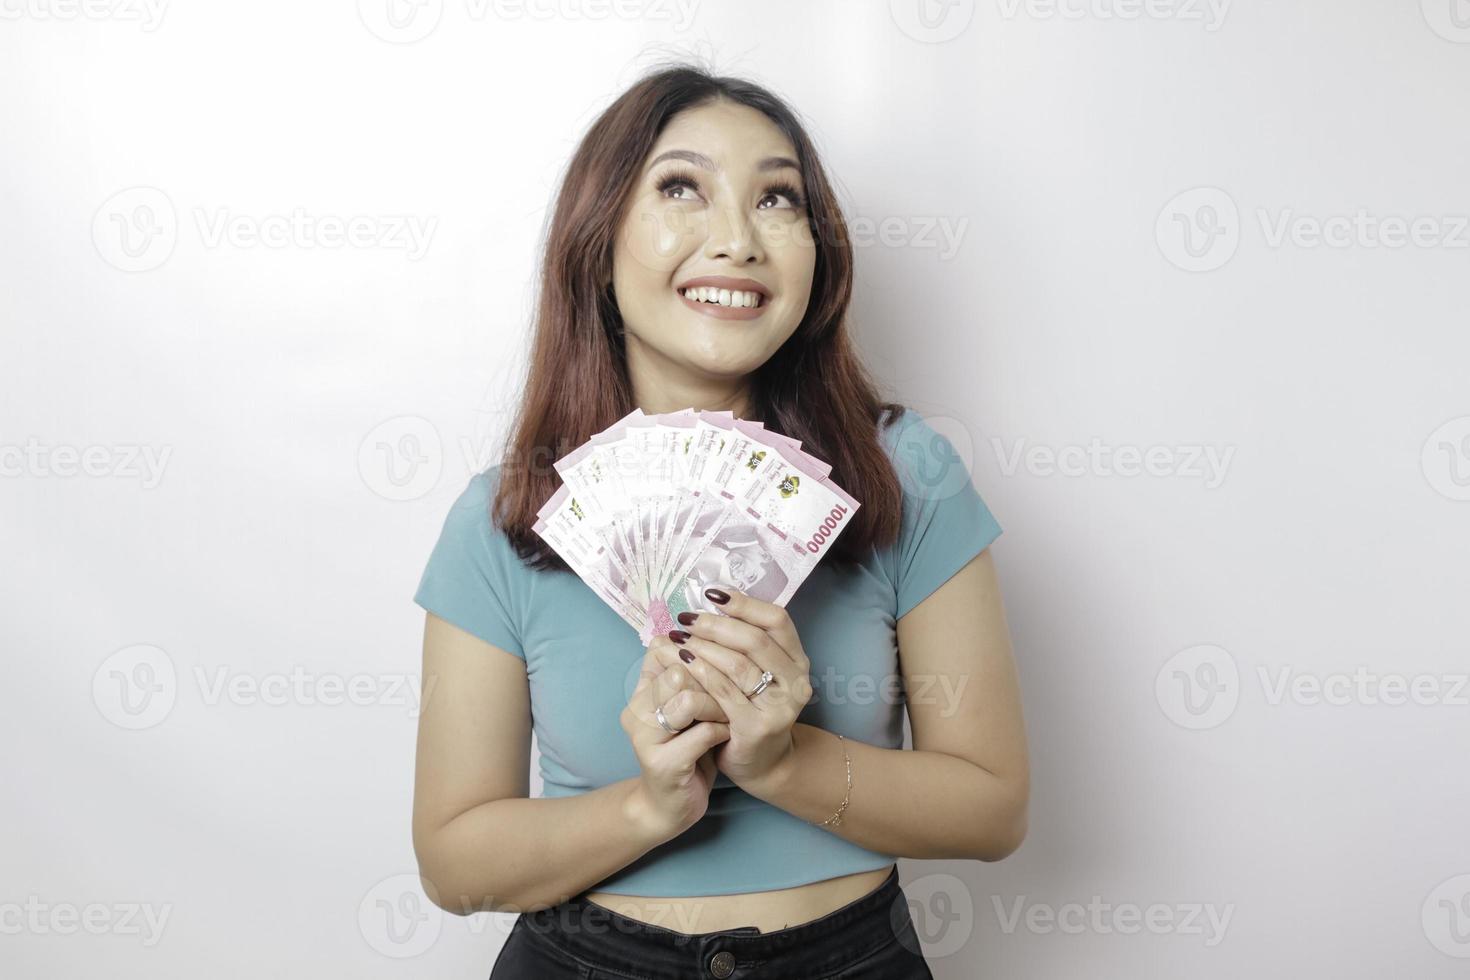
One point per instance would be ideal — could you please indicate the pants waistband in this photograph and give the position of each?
(600, 937)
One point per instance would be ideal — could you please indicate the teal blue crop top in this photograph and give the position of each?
(582, 664)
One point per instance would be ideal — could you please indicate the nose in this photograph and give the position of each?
(732, 236)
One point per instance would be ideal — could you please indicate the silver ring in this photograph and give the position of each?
(664, 722)
(766, 678)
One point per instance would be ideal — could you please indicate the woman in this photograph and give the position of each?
(696, 821)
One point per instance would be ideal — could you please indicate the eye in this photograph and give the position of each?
(786, 190)
(688, 184)
(680, 179)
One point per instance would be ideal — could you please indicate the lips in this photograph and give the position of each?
(718, 312)
(731, 283)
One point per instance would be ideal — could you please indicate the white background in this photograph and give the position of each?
(1130, 193)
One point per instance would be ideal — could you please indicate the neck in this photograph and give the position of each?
(659, 386)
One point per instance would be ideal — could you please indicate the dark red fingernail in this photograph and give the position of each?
(686, 656)
(687, 618)
(678, 636)
(715, 595)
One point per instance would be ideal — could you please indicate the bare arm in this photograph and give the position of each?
(481, 843)
(962, 791)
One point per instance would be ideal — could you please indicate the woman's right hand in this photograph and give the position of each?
(677, 770)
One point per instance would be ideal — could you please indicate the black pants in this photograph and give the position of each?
(872, 936)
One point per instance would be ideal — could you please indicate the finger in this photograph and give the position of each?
(725, 689)
(689, 746)
(768, 616)
(744, 673)
(735, 666)
(788, 685)
(701, 738)
(660, 654)
(757, 644)
(671, 681)
(746, 676)
(654, 689)
(650, 667)
(687, 707)
(666, 653)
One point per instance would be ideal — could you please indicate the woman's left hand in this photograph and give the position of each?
(730, 652)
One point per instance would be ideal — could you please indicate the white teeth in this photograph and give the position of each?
(723, 297)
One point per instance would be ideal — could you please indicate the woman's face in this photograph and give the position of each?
(719, 196)
(747, 565)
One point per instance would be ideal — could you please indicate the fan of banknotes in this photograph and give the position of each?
(655, 508)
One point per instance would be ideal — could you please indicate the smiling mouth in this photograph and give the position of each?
(730, 299)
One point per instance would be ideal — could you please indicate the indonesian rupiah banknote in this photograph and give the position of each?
(655, 508)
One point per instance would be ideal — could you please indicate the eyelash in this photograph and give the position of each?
(675, 178)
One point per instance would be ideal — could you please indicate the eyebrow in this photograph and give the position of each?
(700, 160)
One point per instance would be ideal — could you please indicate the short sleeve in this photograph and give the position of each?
(945, 522)
(470, 578)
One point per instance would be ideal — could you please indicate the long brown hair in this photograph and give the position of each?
(813, 388)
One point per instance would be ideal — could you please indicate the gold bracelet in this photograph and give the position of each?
(836, 818)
